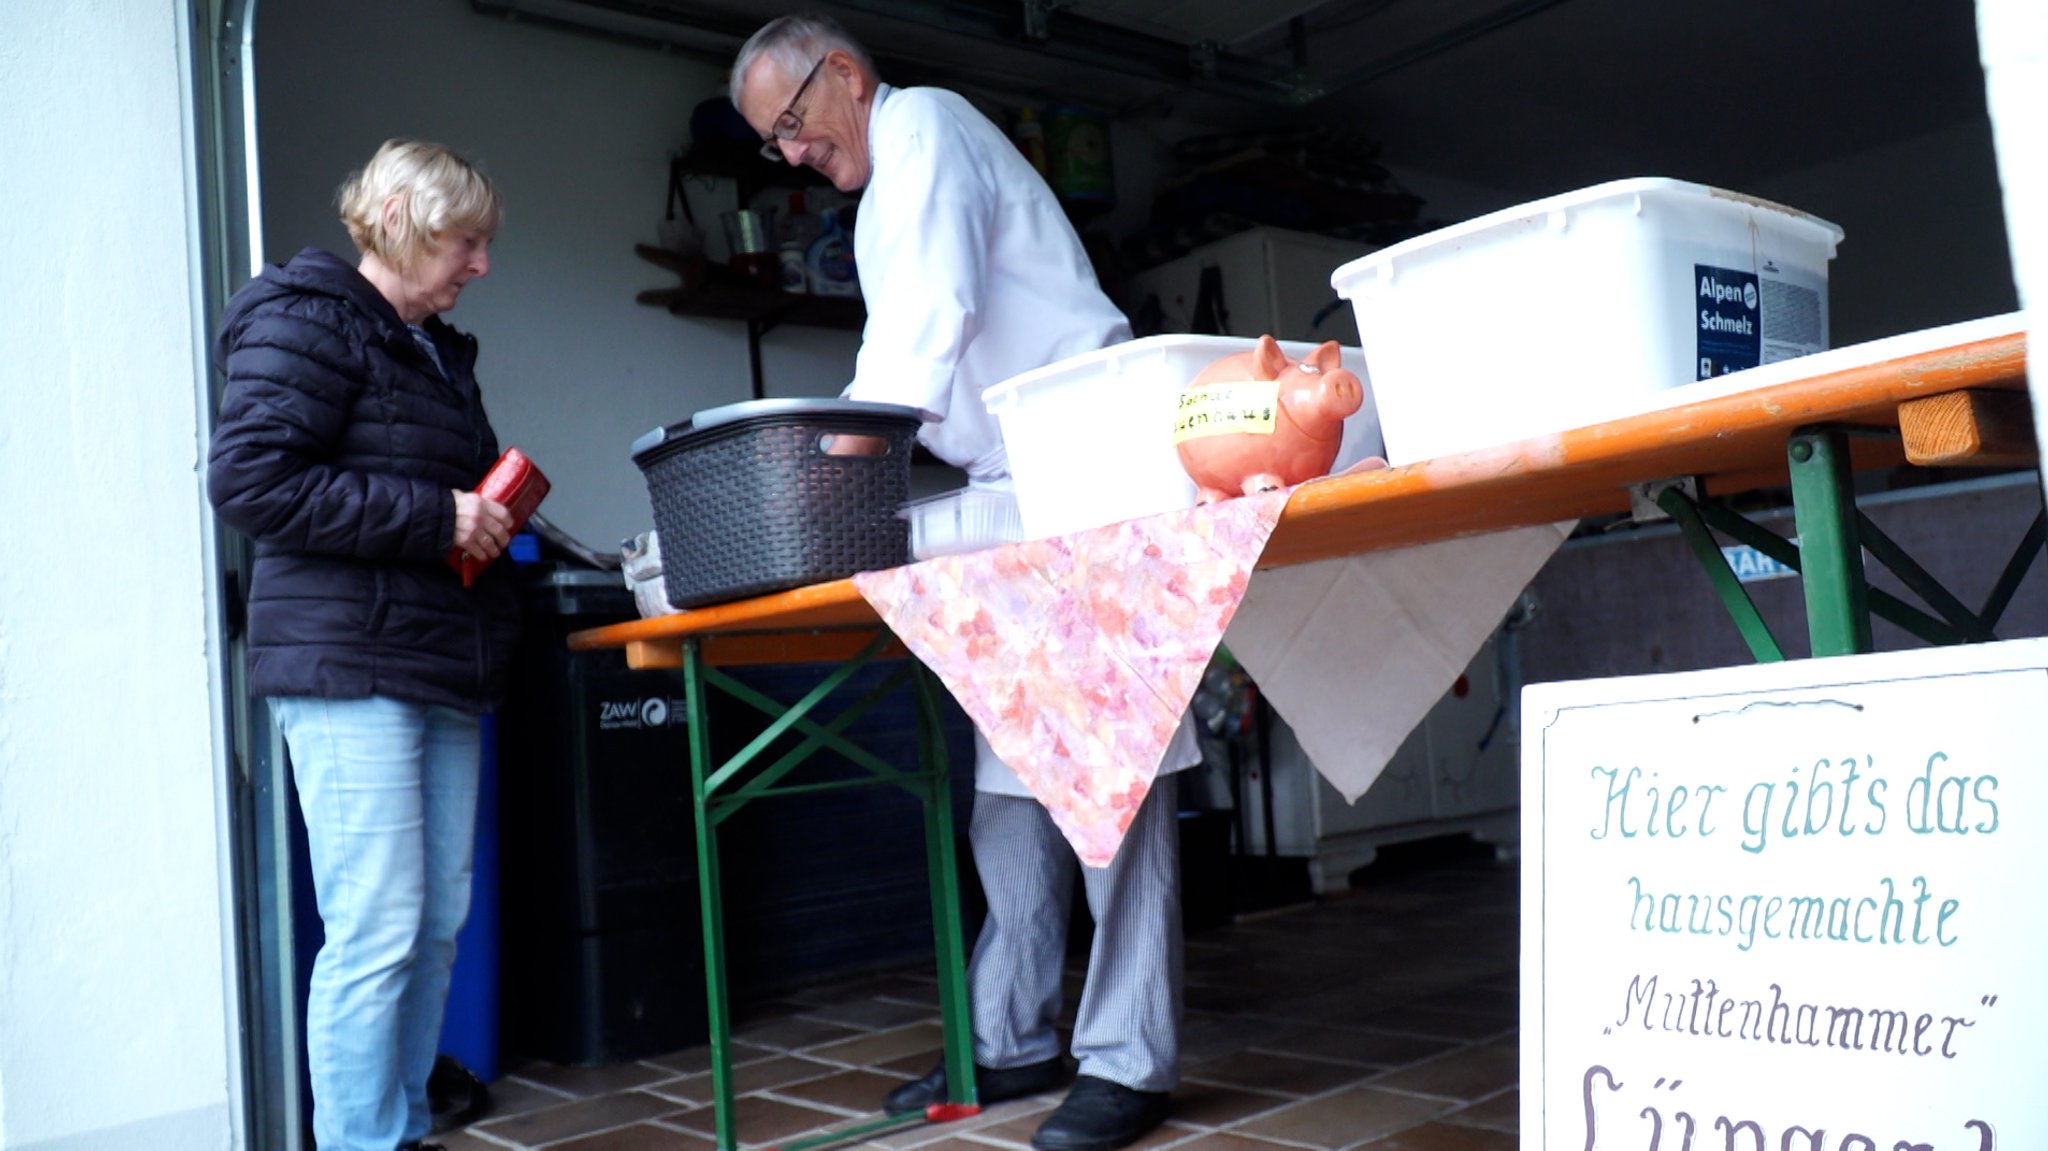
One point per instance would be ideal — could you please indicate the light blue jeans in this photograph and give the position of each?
(388, 790)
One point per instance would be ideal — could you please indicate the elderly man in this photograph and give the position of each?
(973, 274)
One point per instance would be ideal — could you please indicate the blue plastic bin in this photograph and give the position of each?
(469, 1029)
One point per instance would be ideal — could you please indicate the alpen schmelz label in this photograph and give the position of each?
(1731, 330)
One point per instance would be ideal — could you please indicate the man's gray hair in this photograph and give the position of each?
(796, 43)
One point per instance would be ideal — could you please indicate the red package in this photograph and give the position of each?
(515, 482)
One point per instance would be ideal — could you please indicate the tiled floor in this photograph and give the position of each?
(1383, 1019)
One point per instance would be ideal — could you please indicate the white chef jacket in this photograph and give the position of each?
(972, 274)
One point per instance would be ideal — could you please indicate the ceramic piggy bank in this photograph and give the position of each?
(1256, 420)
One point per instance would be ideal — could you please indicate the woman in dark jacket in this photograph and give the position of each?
(350, 441)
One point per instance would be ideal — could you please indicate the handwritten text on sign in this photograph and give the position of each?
(1789, 906)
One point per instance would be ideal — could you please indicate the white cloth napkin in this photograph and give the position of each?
(1354, 651)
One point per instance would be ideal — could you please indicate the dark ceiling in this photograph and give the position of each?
(1729, 93)
(1528, 97)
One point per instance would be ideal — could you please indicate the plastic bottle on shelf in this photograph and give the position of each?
(1030, 136)
(799, 228)
(829, 261)
(790, 256)
(1077, 159)
(799, 223)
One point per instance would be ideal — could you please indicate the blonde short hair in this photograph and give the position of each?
(438, 190)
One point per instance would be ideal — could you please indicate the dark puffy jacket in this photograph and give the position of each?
(337, 451)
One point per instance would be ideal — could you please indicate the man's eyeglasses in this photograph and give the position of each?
(789, 123)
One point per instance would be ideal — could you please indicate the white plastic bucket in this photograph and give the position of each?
(1564, 312)
(1090, 438)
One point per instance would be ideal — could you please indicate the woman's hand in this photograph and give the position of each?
(482, 527)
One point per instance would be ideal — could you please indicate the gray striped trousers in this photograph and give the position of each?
(1127, 1025)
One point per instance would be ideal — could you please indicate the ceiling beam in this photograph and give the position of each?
(711, 36)
(1049, 28)
(1437, 45)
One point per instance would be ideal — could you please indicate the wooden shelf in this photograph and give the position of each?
(711, 291)
(714, 292)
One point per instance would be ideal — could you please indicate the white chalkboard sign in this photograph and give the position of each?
(1789, 907)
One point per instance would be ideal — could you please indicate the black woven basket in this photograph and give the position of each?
(748, 501)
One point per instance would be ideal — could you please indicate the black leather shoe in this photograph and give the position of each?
(992, 1085)
(458, 1098)
(1100, 1116)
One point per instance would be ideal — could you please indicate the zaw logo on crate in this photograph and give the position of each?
(652, 711)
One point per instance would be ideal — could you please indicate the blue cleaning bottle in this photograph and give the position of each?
(830, 261)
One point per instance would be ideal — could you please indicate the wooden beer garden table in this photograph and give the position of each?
(1951, 397)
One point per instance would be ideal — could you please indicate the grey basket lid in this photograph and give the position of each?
(750, 409)
(754, 409)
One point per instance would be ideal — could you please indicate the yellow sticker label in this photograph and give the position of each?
(1227, 407)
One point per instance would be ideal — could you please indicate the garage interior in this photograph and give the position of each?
(1361, 121)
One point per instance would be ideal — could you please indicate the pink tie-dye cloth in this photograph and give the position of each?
(1075, 655)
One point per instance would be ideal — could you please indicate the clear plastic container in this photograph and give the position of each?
(965, 520)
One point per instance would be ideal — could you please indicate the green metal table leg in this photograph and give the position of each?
(1755, 632)
(718, 790)
(1837, 595)
(2015, 570)
(1883, 605)
(949, 938)
(1959, 623)
(717, 1016)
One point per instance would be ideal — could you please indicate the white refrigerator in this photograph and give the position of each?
(1274, 282)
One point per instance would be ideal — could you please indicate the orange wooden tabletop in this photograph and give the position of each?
(1736, 442)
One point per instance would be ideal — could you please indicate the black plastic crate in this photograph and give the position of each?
(748, 500)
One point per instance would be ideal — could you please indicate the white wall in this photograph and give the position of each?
(577, 132)
(2013, 38)
(2014, 42)
(114, 1000)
